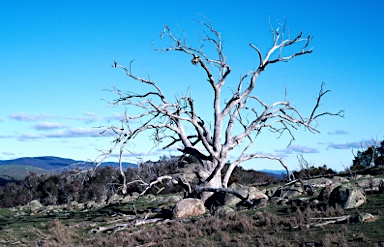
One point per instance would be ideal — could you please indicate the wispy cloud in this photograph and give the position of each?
(338, 132)
(1, 120)
(8, 153)
(48, 126)
(297, 149)
(27, 117)
(88, 117)
(53, 132)
(350, 145)
(114, 117)
(30, 136)
(6, 136)
(75, 133)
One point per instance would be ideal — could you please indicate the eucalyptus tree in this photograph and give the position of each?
(235, 122)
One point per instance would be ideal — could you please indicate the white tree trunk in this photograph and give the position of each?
(214, 182)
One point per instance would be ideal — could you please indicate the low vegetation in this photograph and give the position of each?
(288, 225)
(74, 208)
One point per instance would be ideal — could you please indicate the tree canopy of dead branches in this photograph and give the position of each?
(176, 122)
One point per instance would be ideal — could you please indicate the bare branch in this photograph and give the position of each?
(234, 123)
(157, 181)
(321, 94)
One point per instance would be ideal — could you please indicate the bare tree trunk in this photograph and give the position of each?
(215, 182)
(208, 179)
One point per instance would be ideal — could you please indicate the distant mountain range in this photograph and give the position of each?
(19, 168)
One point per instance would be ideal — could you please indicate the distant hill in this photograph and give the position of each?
(275, 173)
(46, 163)
(19, 168)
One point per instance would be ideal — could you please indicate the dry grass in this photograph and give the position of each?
(261, 229)
(282, 226)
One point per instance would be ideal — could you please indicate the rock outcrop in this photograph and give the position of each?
(347, 196)
(290, 191)
(251, 193)
(326, 192)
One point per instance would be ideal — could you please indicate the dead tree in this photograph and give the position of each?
(235, 123)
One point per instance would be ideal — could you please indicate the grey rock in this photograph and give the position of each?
(319, 182)
(369, 183)
(189, 207)
(364, 217)
(34, 205)
(326, 191)
(338, 179)
(294, 190)
(270, 191)
(223, 211)
(347, 196)
(251, 193)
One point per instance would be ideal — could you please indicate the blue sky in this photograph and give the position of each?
(56, 57)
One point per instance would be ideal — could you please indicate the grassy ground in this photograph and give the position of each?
(271, 226)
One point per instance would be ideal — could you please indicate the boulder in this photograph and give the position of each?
(189, 207)
(291, 191)
(364, 217)
(270, 191)
(347, 196)
(34, 205)
(370, 183)
(319, 182)
(339, 179)
(223, 211)
(251, 193)
(326, 191)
